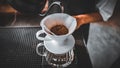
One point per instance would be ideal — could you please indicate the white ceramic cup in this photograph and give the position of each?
(55, 19)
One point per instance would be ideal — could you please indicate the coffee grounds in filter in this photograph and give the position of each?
(59, 29)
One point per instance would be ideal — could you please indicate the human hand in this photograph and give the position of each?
(45, 7)
(88, 18)
(80, 20)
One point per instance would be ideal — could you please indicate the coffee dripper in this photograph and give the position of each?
(58, 48)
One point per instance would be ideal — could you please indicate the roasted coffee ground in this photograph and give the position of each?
(59, 30)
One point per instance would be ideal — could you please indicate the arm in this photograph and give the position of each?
(88, 18)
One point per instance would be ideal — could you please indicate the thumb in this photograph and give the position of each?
(79, 23)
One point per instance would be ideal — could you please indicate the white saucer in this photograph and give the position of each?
(55, 48)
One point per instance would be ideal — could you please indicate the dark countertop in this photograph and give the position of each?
(17, 49)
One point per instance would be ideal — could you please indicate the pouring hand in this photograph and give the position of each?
(45, 7)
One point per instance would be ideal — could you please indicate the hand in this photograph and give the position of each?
(88, 18)
(45, 7)
(80, 20)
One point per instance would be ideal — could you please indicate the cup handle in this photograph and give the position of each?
(39, 37)
(42, 52)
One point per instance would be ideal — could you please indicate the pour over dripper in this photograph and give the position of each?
(57, 40)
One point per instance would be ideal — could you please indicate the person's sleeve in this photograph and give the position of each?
(106, 8)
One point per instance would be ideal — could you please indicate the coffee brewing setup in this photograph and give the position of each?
(58, 42)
